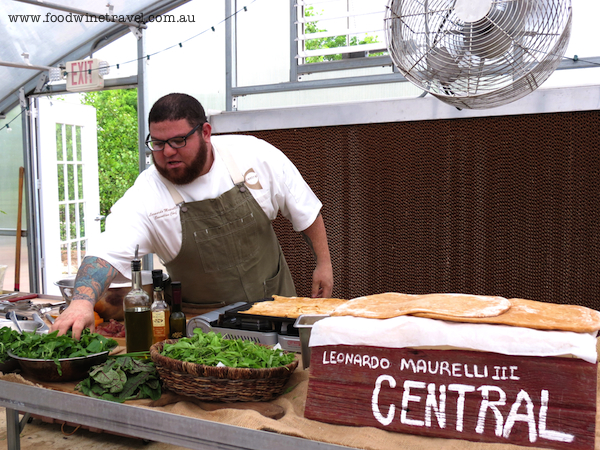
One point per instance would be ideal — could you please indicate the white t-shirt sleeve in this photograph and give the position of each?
(282, 187)
(298, 203)
(130, 223)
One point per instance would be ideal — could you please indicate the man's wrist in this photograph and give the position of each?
(84, 300)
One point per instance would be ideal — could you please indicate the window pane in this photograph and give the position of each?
(71, 178)
(74, 257)
(61, 182)
(78, 142)
(76, 218)
(79, 181)
(72, 224)
(59, 142)
(69, 133)
(341, 24)
(64, 255)
(81, 221)
(62, 217)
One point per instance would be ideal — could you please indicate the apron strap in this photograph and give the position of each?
(175, 195)
(232, 167)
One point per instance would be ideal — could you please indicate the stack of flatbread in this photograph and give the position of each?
(293, 307)
(474, 309)
(451, 307)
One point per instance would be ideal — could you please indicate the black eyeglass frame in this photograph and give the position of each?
(168, 141)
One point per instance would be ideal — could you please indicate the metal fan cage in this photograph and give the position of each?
(477, 62)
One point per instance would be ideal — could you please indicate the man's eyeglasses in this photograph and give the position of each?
(176, 142)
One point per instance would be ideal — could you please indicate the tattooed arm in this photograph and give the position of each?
(316, 238)
(93, 279)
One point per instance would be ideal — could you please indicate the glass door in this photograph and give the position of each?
(69, 194)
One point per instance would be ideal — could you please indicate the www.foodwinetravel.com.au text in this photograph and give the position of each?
(96, 18)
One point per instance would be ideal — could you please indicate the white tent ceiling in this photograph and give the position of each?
(53, 35)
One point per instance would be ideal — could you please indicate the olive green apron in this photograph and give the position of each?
(229, 251)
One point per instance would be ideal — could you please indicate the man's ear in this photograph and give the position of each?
(206, 132)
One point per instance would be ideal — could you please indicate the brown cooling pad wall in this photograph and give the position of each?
(498, 205)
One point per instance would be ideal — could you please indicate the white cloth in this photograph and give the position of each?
(146, 214)
(410, 331)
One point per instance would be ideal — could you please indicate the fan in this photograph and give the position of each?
(477, 54)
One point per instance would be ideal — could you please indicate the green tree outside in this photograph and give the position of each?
(331, 41)
(118, 167)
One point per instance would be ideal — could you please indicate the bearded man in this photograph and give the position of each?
(205, 207)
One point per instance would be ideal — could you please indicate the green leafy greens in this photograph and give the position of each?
(55, 347)
(122, 378)
(211, 349)
(7, 337)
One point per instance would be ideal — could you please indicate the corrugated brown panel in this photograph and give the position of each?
(498, 205)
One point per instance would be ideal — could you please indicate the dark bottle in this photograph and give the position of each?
(138, 318)
(177, 319)
(160, 309)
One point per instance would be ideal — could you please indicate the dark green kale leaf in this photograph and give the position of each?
(122, 378)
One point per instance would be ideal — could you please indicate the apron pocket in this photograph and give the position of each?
(227, 245)
(282, 283)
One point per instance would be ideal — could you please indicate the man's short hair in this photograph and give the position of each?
(176, 107)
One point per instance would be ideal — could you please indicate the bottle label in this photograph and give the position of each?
(158, 319)
(159, 326)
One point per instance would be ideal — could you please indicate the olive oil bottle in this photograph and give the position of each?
(160, 309)
(177, 325)
(138, 318)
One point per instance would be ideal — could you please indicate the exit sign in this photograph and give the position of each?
(84, 75)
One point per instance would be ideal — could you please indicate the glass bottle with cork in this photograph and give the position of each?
(177, 325)
(160, 309)
(138, 317)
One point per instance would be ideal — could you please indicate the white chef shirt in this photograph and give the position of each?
(147, 215)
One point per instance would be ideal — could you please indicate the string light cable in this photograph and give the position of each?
(7, 126)
(104, 68)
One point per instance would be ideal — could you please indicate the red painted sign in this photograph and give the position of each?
(478, 396)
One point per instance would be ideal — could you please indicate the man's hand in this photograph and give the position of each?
(322, 285)
(316, 238)
(79, 315)
(93, 279)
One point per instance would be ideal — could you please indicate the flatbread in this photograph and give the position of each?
(537, 315)
(293, 307)
(393, 304)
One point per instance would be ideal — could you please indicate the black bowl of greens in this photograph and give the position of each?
(49, 357)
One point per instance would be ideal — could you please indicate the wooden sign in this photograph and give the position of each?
(477, 396)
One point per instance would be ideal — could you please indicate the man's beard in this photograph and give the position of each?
(186, 174)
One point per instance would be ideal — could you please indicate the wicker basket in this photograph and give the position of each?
(223, 384)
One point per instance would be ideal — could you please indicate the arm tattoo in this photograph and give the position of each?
(309, 243)
(93, 279)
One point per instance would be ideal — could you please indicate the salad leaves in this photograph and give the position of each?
(211, 349)
(7, 337)
(55, 347)
(122, 378)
